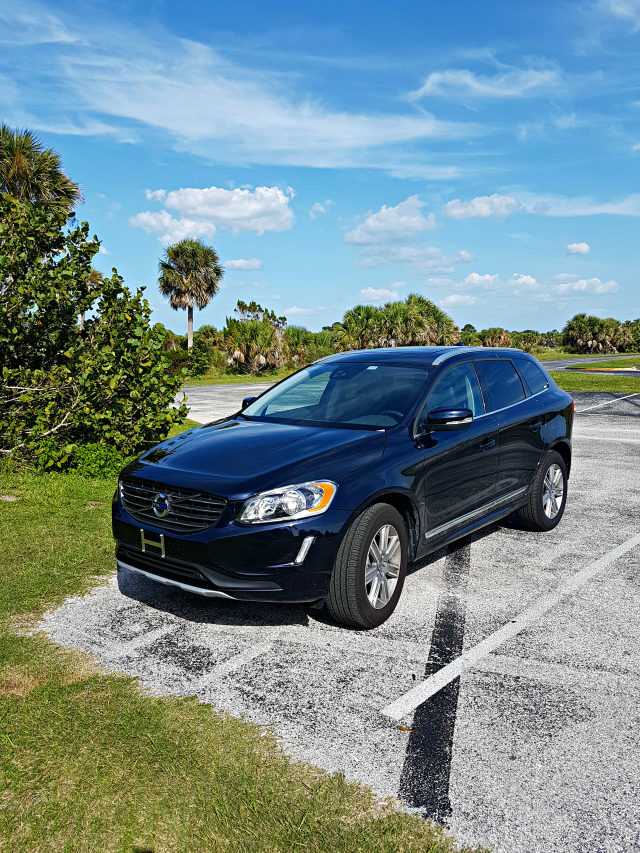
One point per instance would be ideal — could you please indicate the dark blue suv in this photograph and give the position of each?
(329, 484)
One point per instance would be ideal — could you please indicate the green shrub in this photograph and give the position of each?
(98, 460)
(63, 385)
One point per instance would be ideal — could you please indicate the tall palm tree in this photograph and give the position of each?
(32, 173)
(190, 275)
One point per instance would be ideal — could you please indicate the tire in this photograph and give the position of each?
(544, 510)
(353, 599)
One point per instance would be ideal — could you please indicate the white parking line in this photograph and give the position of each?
(234, 663)
(423, 691)
(599, 405)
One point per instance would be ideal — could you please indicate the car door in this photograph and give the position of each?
(460, 467)
(520, 420)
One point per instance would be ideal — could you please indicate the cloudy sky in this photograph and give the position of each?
(483, 154)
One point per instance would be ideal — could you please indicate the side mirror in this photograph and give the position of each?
(247, 402)
(445, 419)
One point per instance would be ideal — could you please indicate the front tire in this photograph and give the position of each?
(548, 495)
(370, 569)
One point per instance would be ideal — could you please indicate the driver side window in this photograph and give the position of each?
(457, 389)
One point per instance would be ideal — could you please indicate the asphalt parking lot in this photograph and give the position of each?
(503, 696)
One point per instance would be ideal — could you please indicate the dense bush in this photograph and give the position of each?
(63, 386)
(413, 322)
(586, 333)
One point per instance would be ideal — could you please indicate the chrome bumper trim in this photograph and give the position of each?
(209, 593)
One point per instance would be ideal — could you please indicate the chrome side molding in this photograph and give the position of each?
(476, 514)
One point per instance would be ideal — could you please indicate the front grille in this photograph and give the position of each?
(165, 568)
(189, 511)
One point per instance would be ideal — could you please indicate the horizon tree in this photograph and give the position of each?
(190, 275)
(32, 173)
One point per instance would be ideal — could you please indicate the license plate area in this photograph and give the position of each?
(154, 545)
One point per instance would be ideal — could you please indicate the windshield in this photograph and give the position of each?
(356, 395)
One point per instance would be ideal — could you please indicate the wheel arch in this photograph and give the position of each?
(564, 449)
(407, 508)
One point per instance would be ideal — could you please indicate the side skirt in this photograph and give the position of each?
(433, 543)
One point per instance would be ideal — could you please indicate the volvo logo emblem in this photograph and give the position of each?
(160, 505)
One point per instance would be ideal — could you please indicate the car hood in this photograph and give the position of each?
(237, 458)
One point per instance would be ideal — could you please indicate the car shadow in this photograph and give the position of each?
(218, 611)
(213, 611)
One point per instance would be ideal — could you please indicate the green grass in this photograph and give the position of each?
(185, 426)
(617, 363)
(215, 377)
(569, 381)
(90, 763)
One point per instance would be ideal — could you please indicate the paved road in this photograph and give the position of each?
(563, 363)
(533, 749)
(210, 402)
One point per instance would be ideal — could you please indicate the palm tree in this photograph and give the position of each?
(190, 274)
(32, 173)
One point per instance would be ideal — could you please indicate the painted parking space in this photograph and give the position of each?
(534, 747)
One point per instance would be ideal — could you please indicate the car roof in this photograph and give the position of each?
(426, 356)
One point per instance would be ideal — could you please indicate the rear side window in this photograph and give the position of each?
(533, 376)
(457, 389)
(502, 382)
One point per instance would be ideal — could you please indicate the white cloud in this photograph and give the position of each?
(171, 230)
(420, 260)
(566, 122)
(301, 311)
(566, 276)
(588, 285)
(244, 264)
(381, 294)
(275, 296)
(482, 207)
(518, 280)
(474, 279)
(626, 10)
(514, 83)
(319, 207)
(148, 80)
(500, 206)
(458, 299)
(577, 249)
(550, 205)
(203, 210)
(34, 26)
(392, 223)
(260, 284)
(103, 251)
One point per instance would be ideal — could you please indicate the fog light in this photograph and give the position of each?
(304, 549)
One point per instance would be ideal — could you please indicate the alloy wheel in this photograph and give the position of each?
(383, 566)
(552, 491)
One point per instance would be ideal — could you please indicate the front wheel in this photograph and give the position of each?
(548, 496)
(370, 568)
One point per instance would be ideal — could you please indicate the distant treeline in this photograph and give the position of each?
(256, 341)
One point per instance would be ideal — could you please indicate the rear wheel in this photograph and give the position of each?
(370, 568)
(548, 495)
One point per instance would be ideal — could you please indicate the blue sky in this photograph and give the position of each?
(483, 154)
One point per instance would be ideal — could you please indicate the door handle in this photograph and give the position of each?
(488, 443)
(535, 424)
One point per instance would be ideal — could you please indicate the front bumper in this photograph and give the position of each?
(236, 561)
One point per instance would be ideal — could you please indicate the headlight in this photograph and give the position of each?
(300, 501)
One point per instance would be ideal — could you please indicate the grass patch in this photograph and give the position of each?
(215, 377)
(185, 426)
(90, 763)
(613, 364)
(570, 381)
